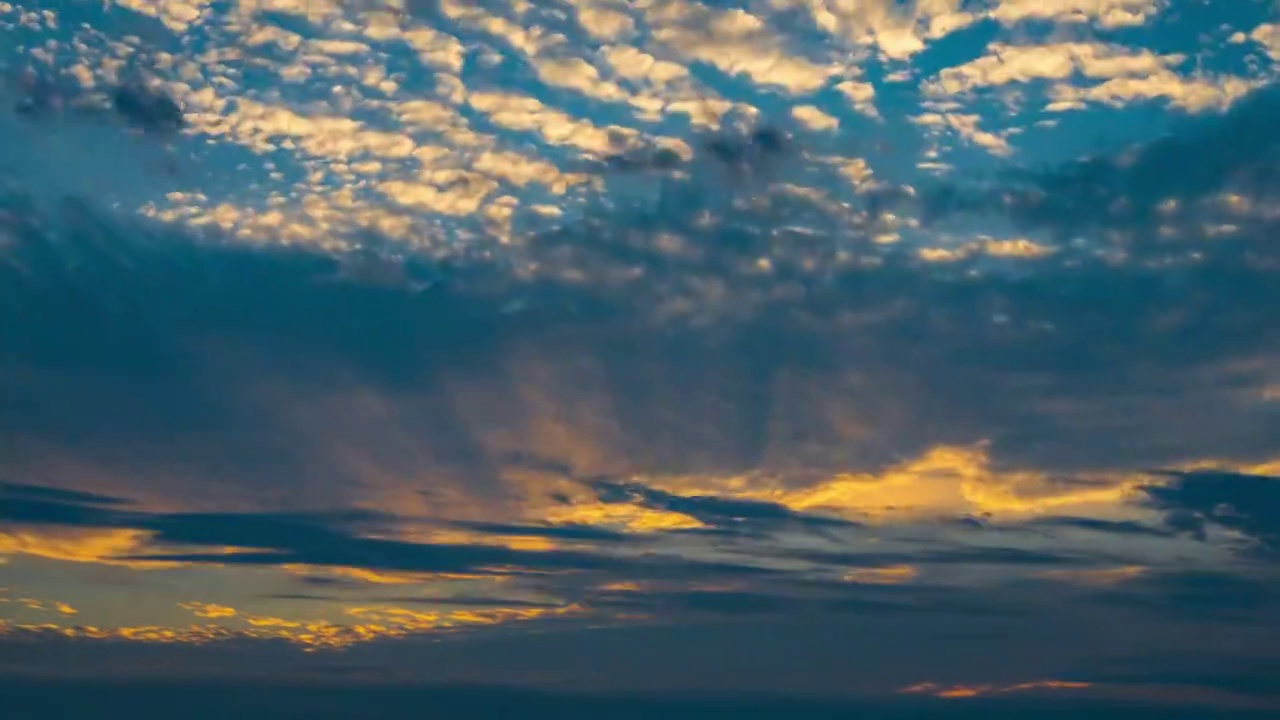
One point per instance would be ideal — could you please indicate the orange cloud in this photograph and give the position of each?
(267, 621)
(382, 577)
(892, 575)
(354, 573)
(462, 537)
(404, 621)
(951, 480)
(369, 623)
(78, 545)
(31, 603)
(628, 517)
(208, 610)
(944, 481)
(969, 691)
(1096, 577)
(105, 546)
(621, 587)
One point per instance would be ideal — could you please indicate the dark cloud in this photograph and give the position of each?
(558, 532)
(1246, 503)
(346, 551)
(334, 539)
(715, 603)
(1199, 595)
(958, 555)
(1245, 678)
(722, 512)
(57, 511)
(20, 491)
(732, 643)
(345, 699)
(807, 598)
(148, 109)
(1090, 363)
(1117, 527)
(257, 530)
(327, 581)
(1143, 191)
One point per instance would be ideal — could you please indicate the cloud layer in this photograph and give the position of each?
(486, 321)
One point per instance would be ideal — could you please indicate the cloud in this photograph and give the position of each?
(561, 532)
(714, 511)
(210, 611)
(56, 512)
(1134, 198)
(347, 699)
(462, 408)
(335, 540)
(1205, 595)
(957, 555)
(1250, 679)
(1096, 576)
(1122, 527)
(589, 580)
(1242, 502)
(438, 601)
(966, 691)
(494, 336)
(37, 493)
(1107, 13)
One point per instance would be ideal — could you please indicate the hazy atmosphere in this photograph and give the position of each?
(631, 358)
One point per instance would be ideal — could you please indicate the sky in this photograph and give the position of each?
(918, 354)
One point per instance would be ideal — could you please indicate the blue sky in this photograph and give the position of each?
(441, 345)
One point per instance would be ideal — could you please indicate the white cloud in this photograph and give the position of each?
(1004, 64)
(1108, 14)
(359, 132)
(814, 118)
